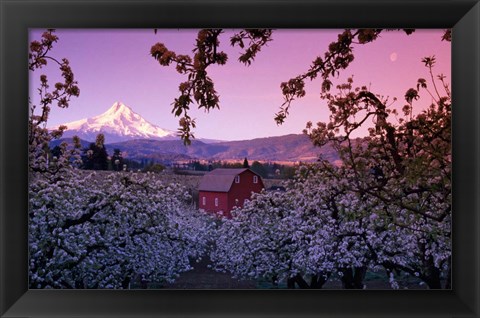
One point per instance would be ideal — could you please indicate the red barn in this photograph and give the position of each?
(222, 189)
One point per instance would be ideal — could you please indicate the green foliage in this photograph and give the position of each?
(256, 39)
(38, 136)
(117, 160)
(199, 87)
(95, 157)
(260, 169)
(156, 168)
(395, 184)
(265, 170)
(245, 163)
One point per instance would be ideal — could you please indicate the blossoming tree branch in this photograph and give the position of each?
(87, 230)
(387, 206)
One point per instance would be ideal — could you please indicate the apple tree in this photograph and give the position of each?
(388, 204)
(91, 230)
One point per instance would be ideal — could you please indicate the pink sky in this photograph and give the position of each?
(115, 65)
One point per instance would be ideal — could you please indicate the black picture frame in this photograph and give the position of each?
(17, 16)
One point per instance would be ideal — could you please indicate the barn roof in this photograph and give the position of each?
(219, 180)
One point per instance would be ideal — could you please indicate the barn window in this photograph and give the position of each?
(216, 201)
(237, 179)
(204, 200)
(255, 179)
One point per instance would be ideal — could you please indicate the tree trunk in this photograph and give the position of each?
(275, 282)
(433, 278)
(126, 282)
(432, 275)
(353, 277)
(316, 282)
(448, 283)
(301, 282)
(359, 276)
(347, 278)
(291, 283)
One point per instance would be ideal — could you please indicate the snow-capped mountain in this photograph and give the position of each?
(118, 123)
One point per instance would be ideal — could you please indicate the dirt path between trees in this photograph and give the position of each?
(202, 277)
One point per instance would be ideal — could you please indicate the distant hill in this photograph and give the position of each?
(293, 147)
(139, 139)
(69, 141)
(283, 148)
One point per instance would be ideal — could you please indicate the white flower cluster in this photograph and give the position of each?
(94, 231)
(276, 237)
(386, 206)
(319, 227)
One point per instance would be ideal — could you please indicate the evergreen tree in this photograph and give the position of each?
(100, 155)
(96, 156)
(56, 151)
(87, 157)
(245, 163)
(117, 159)
(259, 168)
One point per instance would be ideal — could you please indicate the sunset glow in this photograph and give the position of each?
(115, 65)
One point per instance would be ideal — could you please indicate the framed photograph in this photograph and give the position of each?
(109, 261)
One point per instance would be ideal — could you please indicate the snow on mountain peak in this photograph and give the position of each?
(118, 123)
(118, 108)
(119, 111)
